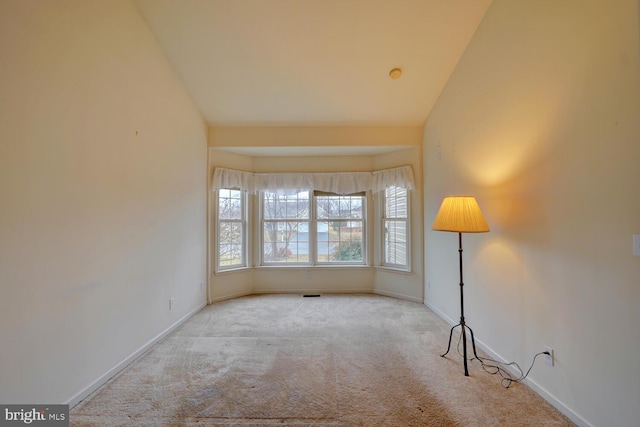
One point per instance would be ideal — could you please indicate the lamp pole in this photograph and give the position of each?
(462, 324)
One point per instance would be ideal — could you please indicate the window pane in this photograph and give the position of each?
(231, 226)
(395, 246)
(230, 204)
(230, 251)
(339, 207)
(286, 241)
(395, 202)
(396, 226)
(339, 241)
(281, 206)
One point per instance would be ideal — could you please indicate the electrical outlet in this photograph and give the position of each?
(201, 286)
(549, 358)
(171, 303)
(636, 244)
(309, 274)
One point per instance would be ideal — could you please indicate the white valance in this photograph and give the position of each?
(342, 182)
(229, 178)
(338, 183)
(289, 183)
(395, 177)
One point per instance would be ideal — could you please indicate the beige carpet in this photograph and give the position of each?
(334, 360)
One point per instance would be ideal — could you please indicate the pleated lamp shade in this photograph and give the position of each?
(460, 214)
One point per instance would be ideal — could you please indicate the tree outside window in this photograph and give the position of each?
(285, 227)
(231, 228)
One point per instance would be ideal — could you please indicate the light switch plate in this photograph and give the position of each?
(636, 244)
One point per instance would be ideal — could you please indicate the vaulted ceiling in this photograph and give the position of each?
(313, 62)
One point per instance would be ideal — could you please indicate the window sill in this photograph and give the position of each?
(394, 269)
(310, 267)
(232, 270)
(314, 267)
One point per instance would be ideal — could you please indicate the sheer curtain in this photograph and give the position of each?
(338, 183)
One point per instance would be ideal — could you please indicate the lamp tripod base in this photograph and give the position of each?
(463, 328)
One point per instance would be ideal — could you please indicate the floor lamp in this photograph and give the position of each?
(461, 214)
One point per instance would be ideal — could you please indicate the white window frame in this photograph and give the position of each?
(362, 220)
(383, 235)
(245, 232)
(313, 242)
(263, 220)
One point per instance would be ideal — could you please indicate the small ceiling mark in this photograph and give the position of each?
(395, 73)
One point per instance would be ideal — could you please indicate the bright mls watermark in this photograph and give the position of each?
(37, 415)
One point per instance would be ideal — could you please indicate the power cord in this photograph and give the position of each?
(495, 367)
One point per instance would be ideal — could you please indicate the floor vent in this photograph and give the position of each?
(310, 295)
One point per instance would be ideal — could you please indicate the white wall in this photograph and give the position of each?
(314, 136)
(318, 279)
(540, 122)
(103, 195)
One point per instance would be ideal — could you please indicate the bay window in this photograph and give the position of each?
(308, 219)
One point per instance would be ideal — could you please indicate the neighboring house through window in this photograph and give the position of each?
(395, 227)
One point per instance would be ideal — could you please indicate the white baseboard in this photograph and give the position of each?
(558, 404)
(440, 313)
(397, 295)
(230, 296)
(312, 291)
(317, 291)
(84, 393)
(553, 400)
